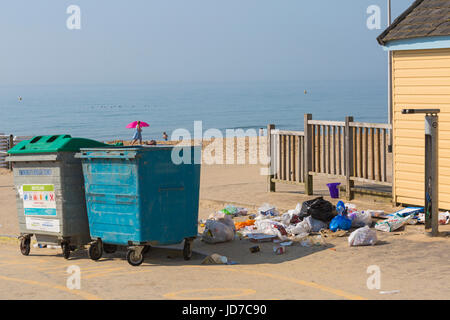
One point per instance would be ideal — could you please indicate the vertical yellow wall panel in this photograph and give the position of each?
(421, 79)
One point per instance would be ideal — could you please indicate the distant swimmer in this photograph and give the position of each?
(20, 98)
(306, 92)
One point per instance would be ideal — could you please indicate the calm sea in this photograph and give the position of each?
(102, 111)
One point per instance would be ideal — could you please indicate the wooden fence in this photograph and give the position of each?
(354, 151)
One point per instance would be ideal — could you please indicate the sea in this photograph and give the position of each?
(102, 112)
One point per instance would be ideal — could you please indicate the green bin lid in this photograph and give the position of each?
(55, 143)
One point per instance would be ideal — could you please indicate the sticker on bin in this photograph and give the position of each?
(39, 200)
(50, 225)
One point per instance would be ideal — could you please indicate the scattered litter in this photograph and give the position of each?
(271, 227)
(329, 233)
(408, 211)
(286, 244)
(240, 225)
(444, 218)
(261, 237)
(392, 224)
(234, 211)
(255, 249)
(279, 250)
(232, 263)
(268, 210)
(340, 222)
(38, 245)
(363, 237)
(378, 214)
(360, 219)
(390, 292)
(215, 259)
(306, 243)
(219, 229)
(350, 207)
(318, 208)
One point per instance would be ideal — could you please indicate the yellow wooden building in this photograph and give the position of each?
(419, 40)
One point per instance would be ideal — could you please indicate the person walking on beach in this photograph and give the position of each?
(165, 136)
(137, 134)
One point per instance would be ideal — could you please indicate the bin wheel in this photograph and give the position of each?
(66, 250)
(109, 248)
(25, 245)
(187, 250)
(134, 259)
(146, 249)
(95, 252)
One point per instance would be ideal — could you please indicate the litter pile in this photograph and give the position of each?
(308, 224)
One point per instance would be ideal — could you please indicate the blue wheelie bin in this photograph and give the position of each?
(139, 197)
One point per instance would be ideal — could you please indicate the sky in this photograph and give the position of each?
(170, 41)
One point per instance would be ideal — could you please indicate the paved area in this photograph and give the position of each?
(409, 261)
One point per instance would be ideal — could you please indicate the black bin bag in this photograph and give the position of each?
(319, 209)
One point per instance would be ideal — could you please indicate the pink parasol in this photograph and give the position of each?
(134, 124)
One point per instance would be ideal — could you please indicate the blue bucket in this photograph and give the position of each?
(334, 191)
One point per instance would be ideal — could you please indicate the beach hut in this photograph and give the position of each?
(419, 40)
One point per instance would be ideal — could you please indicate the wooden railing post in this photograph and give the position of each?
(271, 155)
(349, 157)
(308, 154)
(10, 145)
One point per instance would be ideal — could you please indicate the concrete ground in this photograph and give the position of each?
(411, 265)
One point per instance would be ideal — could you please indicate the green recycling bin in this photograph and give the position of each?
(50, 191)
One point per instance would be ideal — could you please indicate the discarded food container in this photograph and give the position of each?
(334, 191)
(279, 250)
(138, 197)
(49, 191)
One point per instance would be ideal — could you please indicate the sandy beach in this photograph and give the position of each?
(410, 261)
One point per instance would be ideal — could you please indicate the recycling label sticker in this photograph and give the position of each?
(40, 224)
(39, 200)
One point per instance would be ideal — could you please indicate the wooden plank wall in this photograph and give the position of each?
(421, 79)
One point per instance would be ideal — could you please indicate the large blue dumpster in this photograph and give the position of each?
(138, 197)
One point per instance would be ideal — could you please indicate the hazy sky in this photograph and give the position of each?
(145, 41)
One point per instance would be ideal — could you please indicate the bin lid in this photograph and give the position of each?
(55, 143)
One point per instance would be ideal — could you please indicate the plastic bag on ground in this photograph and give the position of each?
(215, 259)
(272, 228)
(363, 237)
(315, 225)
(216, 232)
(301, 229)
(361, 219)
(224, 218)
(393, 223)
(340, 223)
(318, 208)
